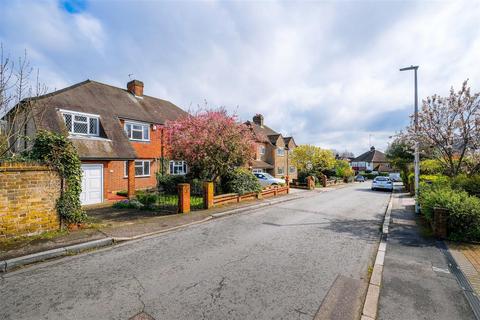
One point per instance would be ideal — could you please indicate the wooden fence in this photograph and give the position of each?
(267, 192)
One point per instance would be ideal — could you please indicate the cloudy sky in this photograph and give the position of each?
(324, 72)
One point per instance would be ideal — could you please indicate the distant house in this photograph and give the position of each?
(372, 160)
(273, 151)
(118, 133)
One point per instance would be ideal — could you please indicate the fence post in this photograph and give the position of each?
(183, 198)
(207, 194)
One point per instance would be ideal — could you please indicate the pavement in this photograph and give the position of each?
(417, 281)
(302, 259)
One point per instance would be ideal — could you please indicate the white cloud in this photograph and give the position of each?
(325, 72)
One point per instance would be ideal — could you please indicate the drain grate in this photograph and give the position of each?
(472, 298)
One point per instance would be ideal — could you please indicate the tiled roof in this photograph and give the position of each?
(371, 156)
(111, 104)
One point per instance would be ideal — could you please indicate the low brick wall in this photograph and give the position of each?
(28, 194)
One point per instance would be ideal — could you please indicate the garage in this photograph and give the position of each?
(92, 184)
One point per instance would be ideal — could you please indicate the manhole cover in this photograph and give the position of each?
(142, 316)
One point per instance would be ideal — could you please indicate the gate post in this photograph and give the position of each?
(324, 180)
(207, 194)
(183, 198)
(310, 183)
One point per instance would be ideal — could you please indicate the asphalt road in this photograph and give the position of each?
(279, 262)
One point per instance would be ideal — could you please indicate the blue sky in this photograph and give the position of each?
(324, 72)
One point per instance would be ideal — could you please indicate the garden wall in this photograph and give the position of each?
(28, 194)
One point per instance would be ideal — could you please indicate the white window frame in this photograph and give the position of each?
(138, 124)
(282, 169)
(258, 171)
(292, 171)
(281, 152)
(82, 114)
(137, 164)
(178, 164)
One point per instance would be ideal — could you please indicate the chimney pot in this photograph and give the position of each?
(135, 87)
(258, 119)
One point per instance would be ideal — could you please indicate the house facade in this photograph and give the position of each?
(118, 133)
(273, 151)
(373, 160)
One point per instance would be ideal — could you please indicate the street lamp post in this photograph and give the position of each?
(417, 154)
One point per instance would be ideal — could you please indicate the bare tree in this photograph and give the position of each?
(19, 88)
(449, 129)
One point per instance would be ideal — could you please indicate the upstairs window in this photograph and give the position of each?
(280, 152)
(137, 131)
(178, 167)
(81, 123)
(262, 150)
(292, 169)
(280, 170)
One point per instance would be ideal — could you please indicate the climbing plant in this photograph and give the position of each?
(57, 151)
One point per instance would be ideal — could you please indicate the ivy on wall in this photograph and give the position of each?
(57, 151)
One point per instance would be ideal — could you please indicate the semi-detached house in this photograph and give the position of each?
(273, 151)
(119, 135)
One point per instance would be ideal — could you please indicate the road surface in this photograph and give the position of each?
(278, 262)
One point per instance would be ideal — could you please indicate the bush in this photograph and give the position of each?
(147, 199)
(122, 193)
(168, 183)
(431, 166)
(240, 181)
(128, 204)
(469, 184)
(464, 211)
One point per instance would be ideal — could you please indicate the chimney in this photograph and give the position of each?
(135, 87)
(372, 148)
(258, 119)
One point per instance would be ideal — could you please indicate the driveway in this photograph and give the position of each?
(282, 262)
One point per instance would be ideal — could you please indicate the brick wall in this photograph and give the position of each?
(28, 194)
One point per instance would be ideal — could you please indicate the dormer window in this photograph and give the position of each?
(81, 123)
(137, 131)
(280, 152)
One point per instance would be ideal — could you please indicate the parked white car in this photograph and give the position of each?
(266, 179)
(383, 183)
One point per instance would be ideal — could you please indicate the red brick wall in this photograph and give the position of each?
(151, 149)
(114, 179)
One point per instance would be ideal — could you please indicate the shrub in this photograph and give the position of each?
(57, 151)
(122, 193)
(464, 210)
(240, 181)
(128, 204)
(168, 183)
(431, 166)
(147, 199)
(469, 184)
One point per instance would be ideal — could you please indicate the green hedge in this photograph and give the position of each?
(168, 183)
(464, 210)
(469, 184)
(240, 181)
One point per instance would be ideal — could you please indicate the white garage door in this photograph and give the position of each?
(92, 184)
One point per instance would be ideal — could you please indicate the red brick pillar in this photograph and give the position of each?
(131, 179)
(208, 194)
(324, 180)
(183, 198)
(310, 183)
(440, 222)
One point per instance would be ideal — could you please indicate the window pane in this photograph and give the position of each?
(80, 127)
(125, 164)
(68, 121)
(171, 167)
(145, 132)
(93, 126)
(128, 129)
(146, 168)
(137, 135)
(80, 118)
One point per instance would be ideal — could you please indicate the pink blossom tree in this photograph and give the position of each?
(449, 130)
(212, 142)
